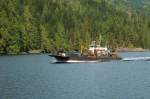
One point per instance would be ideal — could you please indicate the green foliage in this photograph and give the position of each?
(46, 43)
(51, 25)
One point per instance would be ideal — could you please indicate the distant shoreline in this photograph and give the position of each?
(36, 52)
(25, 53)
(132, 50)
(3, 54)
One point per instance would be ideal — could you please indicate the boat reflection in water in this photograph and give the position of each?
(95, 53)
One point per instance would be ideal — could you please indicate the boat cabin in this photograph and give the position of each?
(97, 50)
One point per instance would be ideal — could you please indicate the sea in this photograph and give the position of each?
(39, 77)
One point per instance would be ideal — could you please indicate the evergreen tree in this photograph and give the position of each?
(51, 25)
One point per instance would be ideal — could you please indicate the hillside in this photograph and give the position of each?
(50, 25)
(140, 6)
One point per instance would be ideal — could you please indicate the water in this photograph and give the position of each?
(34, 77)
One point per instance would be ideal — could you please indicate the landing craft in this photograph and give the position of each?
(95, 53)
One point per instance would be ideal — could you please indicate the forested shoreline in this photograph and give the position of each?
(50, 25)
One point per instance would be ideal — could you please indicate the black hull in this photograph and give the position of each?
(65, 59)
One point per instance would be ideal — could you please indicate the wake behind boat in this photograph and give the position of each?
(136, 59)
(95, 53)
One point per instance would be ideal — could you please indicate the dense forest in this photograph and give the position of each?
(49, 25)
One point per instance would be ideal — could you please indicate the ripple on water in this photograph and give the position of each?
(34, 77)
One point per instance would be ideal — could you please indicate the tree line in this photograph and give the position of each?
(50, 25)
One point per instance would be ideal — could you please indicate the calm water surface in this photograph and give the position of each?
(34, 77)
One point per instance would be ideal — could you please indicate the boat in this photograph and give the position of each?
(95, 53)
